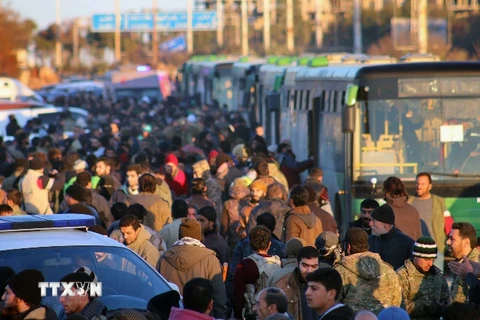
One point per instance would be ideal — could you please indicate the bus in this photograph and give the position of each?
(364, 123)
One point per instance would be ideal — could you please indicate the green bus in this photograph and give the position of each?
(364, 123)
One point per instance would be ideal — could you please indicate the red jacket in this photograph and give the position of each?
(178, 184)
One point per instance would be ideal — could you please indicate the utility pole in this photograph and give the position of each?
(189, 27)
(290, 35)
(318, 23)
(118, 49)
(75, 43)
(357, 27)
(266, 25)
(220, 23)
(422, 27)
(154, 35)
(245, 48)
(58, 45)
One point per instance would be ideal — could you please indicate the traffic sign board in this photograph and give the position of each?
(144, 22)
(175, 44)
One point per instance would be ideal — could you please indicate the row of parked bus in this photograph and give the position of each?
(363, 118)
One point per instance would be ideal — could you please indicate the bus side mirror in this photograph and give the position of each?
(348, 119)
(351, 95)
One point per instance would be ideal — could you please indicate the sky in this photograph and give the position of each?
(43, 11)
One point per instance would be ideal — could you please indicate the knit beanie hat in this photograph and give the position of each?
(171, 158)
(190, 228)
(208, 212)
(425, 247)
(259, 184)
(393, 313)
(293, 245)
(76, 192)
(5, 274)
(326, 243)
(162, 303)
(25, 285)
(384, 214)
(240, 151)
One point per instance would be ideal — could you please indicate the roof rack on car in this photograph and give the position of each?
(51, 221)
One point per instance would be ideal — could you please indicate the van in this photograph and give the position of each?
(14, 91)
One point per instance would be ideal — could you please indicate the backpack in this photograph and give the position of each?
(266, 267)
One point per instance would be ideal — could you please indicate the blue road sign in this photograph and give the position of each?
(174, 45)
(166, 21)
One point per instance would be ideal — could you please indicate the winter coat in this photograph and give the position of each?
(300, 222)
(407, 218)
(163, 190)
(178, 183)
(288, 266)
(328, 222)
(422, 291)
(368, 283)
(169, 232)
(231, 214)
(277, 174)
(459, 288)
(158, 211)
(200, 201)
(188, 259)
(289, 285)
(338, 312)
(278, 208)
(213, 241)
(291, 168)
(438, 220)
(144, 248)
(185, 314)
(394, 247)
(34, 313)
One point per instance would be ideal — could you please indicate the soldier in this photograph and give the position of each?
(369, 283)
(424, 287)
(462, 242)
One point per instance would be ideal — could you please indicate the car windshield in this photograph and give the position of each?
(127, 280)
(403, 137)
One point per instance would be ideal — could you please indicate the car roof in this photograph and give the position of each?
(65, 237)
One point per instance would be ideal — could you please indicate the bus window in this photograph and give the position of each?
(414, 135)
(307, 100)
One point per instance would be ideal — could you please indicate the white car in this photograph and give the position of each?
(59, 244)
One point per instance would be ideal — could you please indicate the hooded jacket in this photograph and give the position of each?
(422, 291)
(158, 210)
(144, 248)
(368, 283)
(407, 218)
(277, 207)
(188, 259)
(300, 222)
(231, 214)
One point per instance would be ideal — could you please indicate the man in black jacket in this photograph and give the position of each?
(22, 297)
(366, 208)
(324, 285)
(207, 217)
(393, 246)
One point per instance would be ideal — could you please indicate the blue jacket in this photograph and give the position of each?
(394, 247)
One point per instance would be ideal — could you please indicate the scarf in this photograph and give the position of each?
(187, 241)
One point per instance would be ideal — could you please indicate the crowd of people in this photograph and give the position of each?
(199, 195)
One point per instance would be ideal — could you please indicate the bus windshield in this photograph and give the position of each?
(403, 137)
